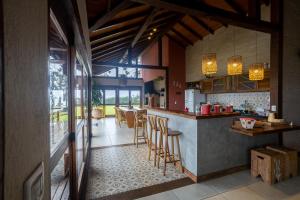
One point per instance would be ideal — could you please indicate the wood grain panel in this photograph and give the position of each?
(1, 105)
(26, 100)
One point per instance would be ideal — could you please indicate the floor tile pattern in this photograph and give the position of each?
(119, 169)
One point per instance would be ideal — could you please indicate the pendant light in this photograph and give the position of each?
(234, 63)
(256, 70)
(209, 63)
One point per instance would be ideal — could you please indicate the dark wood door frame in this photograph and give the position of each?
(2, 138)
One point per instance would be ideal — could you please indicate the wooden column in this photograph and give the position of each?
(254, 9)
(276, 56)
(72, 148)
(1, 106)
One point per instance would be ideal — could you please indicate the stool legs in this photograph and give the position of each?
(159, 148)
(150, 144)
(179, 154)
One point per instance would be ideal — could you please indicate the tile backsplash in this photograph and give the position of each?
(255, 99)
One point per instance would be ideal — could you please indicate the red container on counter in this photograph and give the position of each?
(205, 109)
(229, 108)
(217, 108)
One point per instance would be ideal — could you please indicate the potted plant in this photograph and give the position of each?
(97, 99)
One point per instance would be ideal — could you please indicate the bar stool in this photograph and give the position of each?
(153, 129)
(140, 122)
(165, 134)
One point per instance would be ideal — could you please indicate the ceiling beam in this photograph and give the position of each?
(203, 24)
(144, 27)
(235, 6)
(162, 32)
(111, 64)
(109, 15)
(175, 40)
(96, 53)
(196, 8)
(112, 42)
(182, 37)
(109, 53)
(113, 35)
(195, 33)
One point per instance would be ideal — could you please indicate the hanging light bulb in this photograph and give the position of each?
(150, 33)
(256, 70)
(154, 29)
(234, 63)
(209, 64)
(149, 38)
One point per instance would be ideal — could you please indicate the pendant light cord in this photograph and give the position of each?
(256, 46)
(233, 41)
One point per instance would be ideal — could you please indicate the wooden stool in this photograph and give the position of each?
(268, 164)
(152, 119)
(140, 122)
(165, 133)
(291, 160)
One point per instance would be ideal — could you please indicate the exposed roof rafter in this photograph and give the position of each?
(109, 15)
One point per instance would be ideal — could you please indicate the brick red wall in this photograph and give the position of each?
(176, 76)
(174, 58)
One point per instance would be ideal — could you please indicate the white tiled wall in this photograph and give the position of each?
(255, 99)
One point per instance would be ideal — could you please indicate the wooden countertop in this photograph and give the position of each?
(194, 115)
(266, 129)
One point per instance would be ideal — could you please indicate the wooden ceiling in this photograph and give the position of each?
(120, 29)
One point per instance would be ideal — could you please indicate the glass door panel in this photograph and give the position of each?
(110, 102)
(124, 97)
(135, 98)
(59, 89)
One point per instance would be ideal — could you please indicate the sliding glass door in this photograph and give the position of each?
(59, 107)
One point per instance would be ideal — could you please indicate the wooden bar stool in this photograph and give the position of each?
(165, 134)
(152, 119)
(140, 122)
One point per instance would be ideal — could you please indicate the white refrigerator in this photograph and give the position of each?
(193, 98)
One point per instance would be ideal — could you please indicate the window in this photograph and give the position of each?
(127, 72)
(110, 73)
(135, 96)
(58, 87)
(124, 97)
(110, 102)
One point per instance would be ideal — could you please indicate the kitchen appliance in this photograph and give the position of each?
(193, 98)
(205, 109)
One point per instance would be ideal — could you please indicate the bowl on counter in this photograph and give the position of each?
(247, 123)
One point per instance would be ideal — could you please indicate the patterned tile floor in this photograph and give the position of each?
(118, 169)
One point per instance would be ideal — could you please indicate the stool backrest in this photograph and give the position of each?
(152, 121)
(163, 125)
(138, 115)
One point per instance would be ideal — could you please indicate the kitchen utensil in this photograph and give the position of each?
(247, 123)
(205, 109)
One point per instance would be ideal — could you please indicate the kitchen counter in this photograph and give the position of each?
(208, 145)
(195, 116)
(257, 131)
